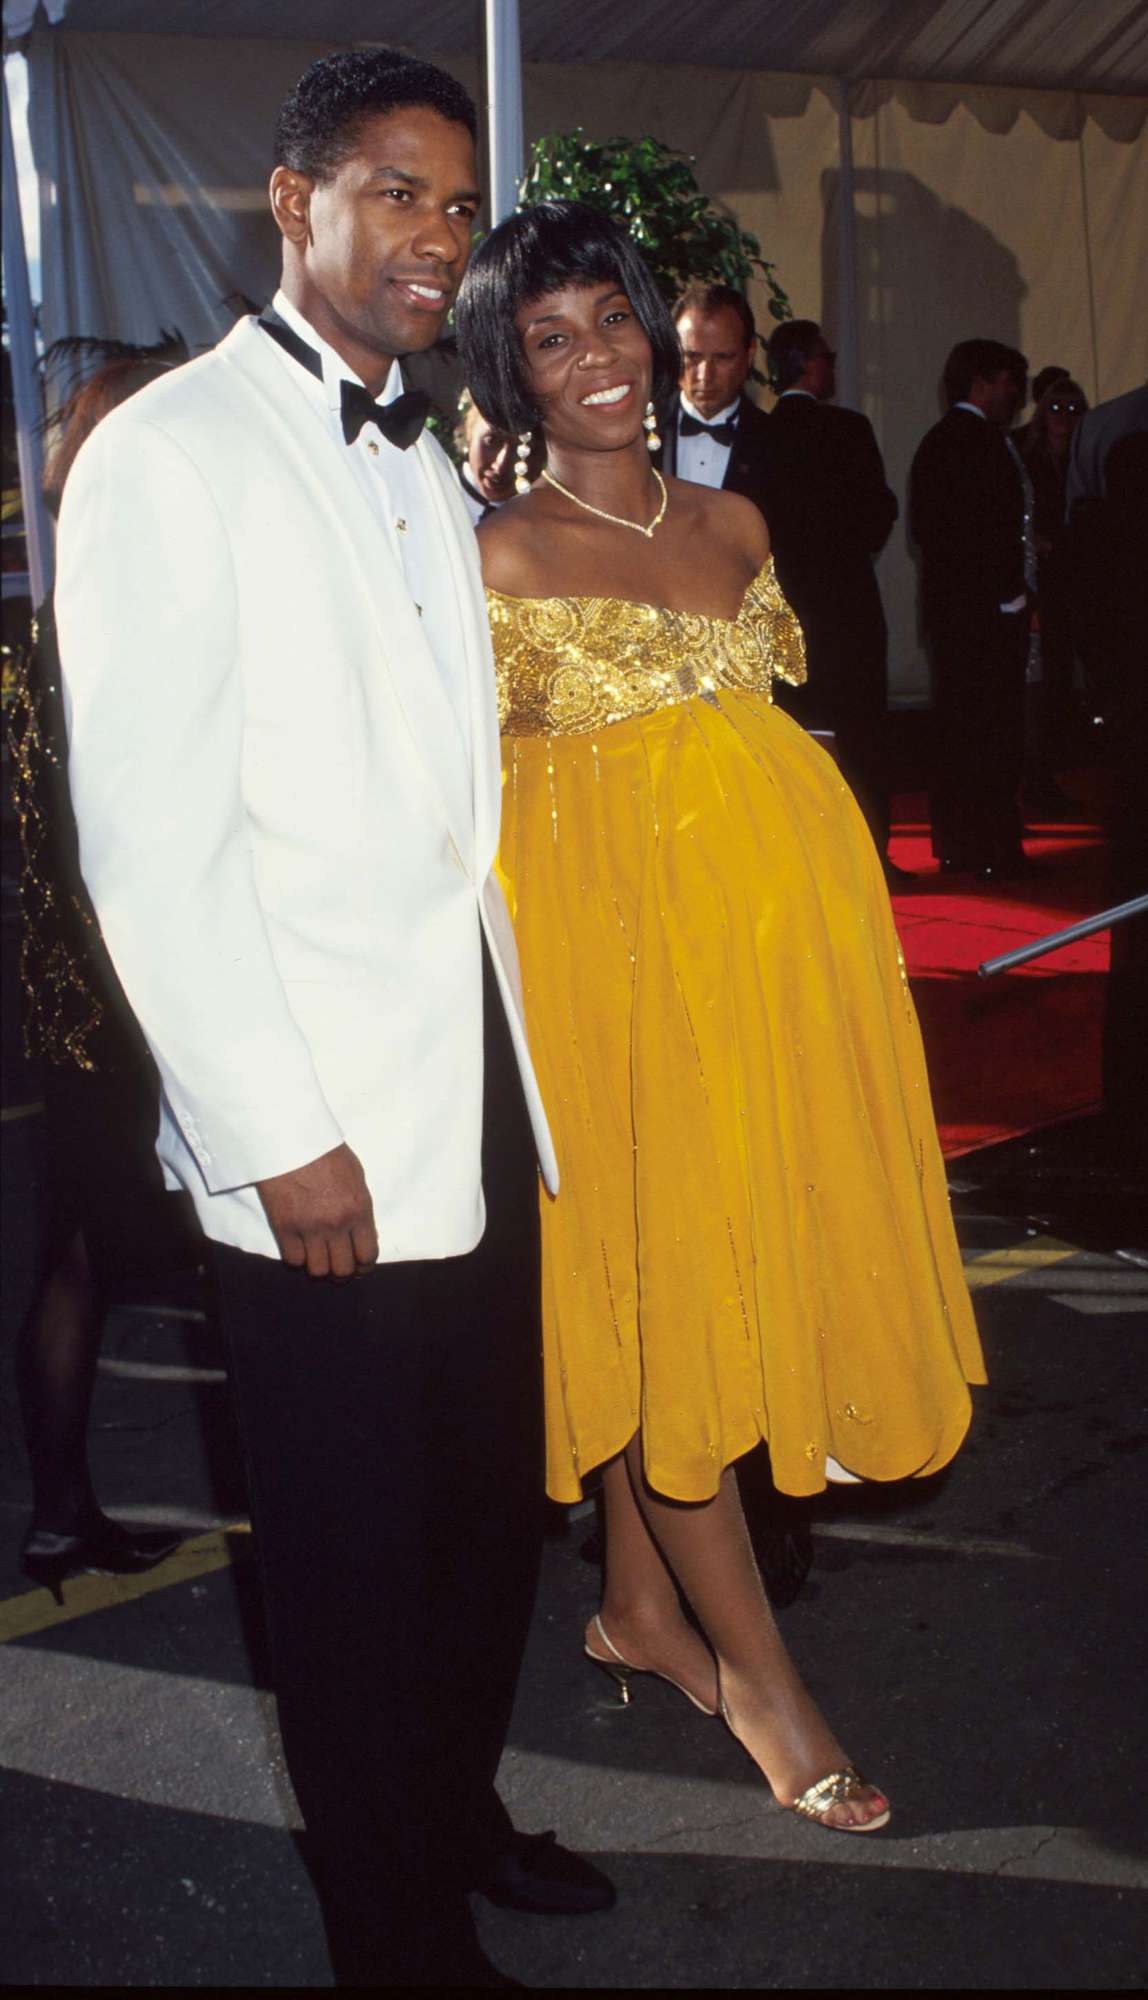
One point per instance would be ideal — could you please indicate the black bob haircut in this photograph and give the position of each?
(538, 251)
(320, 120)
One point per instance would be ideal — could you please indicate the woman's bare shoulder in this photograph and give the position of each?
(505, 542)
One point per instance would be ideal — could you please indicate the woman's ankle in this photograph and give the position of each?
(645, 1617)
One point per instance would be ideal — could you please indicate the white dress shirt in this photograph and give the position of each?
(702, 458)
(395, 487)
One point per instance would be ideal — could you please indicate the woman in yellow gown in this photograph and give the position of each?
(752, 1238)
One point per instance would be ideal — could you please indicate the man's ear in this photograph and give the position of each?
(291, 203)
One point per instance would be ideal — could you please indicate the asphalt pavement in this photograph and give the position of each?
(977, 1639)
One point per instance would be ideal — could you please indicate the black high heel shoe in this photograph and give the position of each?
(105, 1548)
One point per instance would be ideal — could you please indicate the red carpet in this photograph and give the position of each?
(1021, 1049)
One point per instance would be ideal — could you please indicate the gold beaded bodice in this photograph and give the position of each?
(569, 665)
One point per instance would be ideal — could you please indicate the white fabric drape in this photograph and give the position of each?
(1018, 214)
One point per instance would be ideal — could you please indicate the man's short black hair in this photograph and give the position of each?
(705, 299)
(538, 251)
(979, 360)
(319, 122)
(791, 347)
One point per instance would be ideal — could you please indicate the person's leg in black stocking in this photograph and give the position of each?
(55, 1371)
(105, 1213)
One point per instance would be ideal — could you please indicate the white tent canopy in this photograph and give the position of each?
(1039, 44)
(917, 172)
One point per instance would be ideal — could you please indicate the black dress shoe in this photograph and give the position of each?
(537, 1875)
(105, 1547)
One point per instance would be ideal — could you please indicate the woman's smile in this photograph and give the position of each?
(608, 398)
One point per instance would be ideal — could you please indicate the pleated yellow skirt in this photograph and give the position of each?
(752, 1238)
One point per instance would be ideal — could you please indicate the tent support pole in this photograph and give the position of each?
(848, 362)
(25, 377)
(503, 105)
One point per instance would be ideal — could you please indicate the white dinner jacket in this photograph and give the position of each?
(288, 844)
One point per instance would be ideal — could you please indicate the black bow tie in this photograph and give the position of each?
(401, 422)
(724, 433)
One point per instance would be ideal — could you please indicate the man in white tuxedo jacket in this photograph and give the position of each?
(284, 762)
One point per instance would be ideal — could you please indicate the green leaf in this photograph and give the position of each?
(651, 189)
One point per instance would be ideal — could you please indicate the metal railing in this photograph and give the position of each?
(1118, 914)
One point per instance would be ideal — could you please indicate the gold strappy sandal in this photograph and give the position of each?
(816, 1800)
(620, 1669)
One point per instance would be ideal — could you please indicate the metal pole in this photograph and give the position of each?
(848, 361)
(503, 105)
(26, 393)
(1118, 914)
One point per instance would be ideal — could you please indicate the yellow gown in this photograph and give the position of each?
(752, 1237)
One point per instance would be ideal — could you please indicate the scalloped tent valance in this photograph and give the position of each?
(1033, 44)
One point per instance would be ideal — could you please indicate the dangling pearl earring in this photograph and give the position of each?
(653, 441)
(521, 457)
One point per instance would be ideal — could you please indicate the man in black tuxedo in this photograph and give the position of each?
(830, 512)
(967, 517)
(712, 432)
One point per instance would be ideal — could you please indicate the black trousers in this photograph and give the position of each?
(393, 1435)
(978, 755)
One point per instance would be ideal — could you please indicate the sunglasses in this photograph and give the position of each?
(1069, 409)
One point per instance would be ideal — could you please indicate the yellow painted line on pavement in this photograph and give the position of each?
(37, 1610)
(11, 1112)
(1034, 1254)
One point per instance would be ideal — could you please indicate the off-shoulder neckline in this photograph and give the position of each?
(640, 603)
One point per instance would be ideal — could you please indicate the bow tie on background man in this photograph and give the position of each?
(724, 433)
(401, 422)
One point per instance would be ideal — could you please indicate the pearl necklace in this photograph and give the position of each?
(616, 519)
